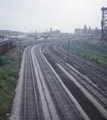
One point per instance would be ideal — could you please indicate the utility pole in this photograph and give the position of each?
(20, 52)
(68, 48)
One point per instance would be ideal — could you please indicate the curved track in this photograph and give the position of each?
(64, 106)
(88, 68)
(85, 62)
(84, 81)
(31, 99)
(55, 90)
(32, 105)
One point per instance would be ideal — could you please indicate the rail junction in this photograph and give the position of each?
(54, 88)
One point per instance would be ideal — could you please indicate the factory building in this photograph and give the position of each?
(96, 33)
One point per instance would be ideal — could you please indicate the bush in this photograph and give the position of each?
(7, 84)
(6, 60)
(2, 60)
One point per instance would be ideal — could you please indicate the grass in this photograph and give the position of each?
(94, 55)
(97, 44)
(7, 85)
(9, 70)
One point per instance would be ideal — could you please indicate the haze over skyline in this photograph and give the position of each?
(39, 15)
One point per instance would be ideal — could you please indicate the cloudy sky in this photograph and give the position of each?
(39, 15)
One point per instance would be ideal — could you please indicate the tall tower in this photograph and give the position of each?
(46, 30)
(104, 24)
(50, 29)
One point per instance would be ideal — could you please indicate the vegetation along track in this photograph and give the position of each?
(100, 47)
(90, 53)
(89, 62)
(89, 109)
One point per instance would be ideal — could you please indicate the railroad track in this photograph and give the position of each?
(84, 61)
(65, 107)
(99, 70)
(50, 94)
(96, 77)
(31, 105)
(101, 77)
(93, 90)
(36, 100)
(86, 84)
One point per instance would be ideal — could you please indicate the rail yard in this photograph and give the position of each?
(53, 60)
(57, 84)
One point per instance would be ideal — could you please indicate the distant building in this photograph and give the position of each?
(50, 29)
(97, 32)
(85, 30)
(88, 32)
(2, 37)
(78, 32)
(9, 32)
(46, 31)
(54, 33)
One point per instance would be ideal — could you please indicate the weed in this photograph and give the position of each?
(88, 53)
(8, 80)
(97, 44)
(9, 68)
(2, 60)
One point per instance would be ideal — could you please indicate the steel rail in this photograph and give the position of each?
(34, 89)
(94, 65)
(68, 69)
(62, 48)
(97, 89)
(25, 92)
(96, 74)
(60, 89)
(40, 58)
(84, 65)
(35, 93)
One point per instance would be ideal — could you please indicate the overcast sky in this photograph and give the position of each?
(39, 15)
